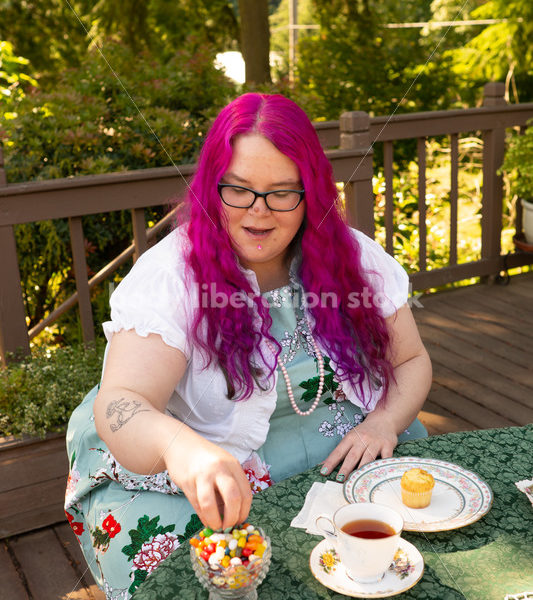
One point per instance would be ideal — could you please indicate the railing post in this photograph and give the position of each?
(355, 135)
(492, 199)
(13, 328)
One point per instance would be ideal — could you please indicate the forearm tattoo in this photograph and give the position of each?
(124, 411)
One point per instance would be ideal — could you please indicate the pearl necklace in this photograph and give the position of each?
(320, 361)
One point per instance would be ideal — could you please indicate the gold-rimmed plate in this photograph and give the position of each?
(460, 497)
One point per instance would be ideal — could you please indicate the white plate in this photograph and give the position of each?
(404, 572)
(459, 497)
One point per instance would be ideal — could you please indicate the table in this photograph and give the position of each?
(482, 561)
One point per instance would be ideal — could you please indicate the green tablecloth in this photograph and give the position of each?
(483, 561)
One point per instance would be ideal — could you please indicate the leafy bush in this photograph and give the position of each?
(91, 121)
(39, 393)
(518, 164)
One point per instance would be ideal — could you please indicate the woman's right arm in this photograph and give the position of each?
(139, 377)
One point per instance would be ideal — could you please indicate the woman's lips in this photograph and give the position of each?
(257, 232)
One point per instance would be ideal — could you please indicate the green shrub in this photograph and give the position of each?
(39, 393)
(518, 163)
(91, 121)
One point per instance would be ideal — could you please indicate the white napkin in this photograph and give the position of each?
(526, 486)
(322, 499)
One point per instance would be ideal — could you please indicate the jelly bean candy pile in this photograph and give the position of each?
(232, 558)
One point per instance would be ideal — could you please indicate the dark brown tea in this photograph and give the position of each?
(369, 529)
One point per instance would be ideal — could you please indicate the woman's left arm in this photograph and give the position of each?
(378, 434)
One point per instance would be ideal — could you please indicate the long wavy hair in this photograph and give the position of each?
(355, 338)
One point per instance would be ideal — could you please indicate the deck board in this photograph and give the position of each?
(480, 340)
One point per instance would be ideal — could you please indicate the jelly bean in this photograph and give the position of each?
(222, 543)
(194, 542)
(235, 561)
(249, 529)
(232, 553)
(247, 551)
(260, 550)
(238, 551)
(207, 532)
(243, 532)
(213, 559)
(233, 544)
(255, 538)
(241, 542)
(204, 555)
(256, 532)
(211, 548)
(236, 534)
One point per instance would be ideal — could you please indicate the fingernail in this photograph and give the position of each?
(324, 471)
(340, 478)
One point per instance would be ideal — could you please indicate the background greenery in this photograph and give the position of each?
(84, 88)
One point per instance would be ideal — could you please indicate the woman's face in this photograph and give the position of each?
(260, 236)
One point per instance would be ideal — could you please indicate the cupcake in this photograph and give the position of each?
(417, 486)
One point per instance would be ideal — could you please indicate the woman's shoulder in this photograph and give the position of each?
(169, 253)
(372, 252)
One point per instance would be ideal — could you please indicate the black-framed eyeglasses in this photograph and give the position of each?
(243, 197)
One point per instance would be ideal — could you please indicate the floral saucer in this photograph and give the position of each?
(460, 497)
(404, 572)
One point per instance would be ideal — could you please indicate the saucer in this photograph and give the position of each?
(404, 572)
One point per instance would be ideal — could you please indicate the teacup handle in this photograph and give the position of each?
(330, 535)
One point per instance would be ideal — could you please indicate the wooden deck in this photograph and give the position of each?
(480, 340)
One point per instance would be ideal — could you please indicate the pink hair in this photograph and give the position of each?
(355, 338)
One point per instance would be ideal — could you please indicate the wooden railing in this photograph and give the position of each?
(349, 146)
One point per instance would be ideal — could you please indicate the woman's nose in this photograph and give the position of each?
(259, 206)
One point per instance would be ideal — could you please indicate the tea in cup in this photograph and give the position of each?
(366, 536)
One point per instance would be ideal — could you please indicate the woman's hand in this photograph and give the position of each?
(377, 435)
(213, 481)
(372, 438)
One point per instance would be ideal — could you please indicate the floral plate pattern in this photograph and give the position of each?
(404, 572)
(459, 497)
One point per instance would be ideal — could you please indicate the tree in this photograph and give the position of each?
(255, 40)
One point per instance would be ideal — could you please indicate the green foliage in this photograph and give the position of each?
(88, 124)
(93, 122)
(14, 79)
(518, 164)
(39, 393)
(55, 35)
(47, 33)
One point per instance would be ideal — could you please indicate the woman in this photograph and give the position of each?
(260, 339)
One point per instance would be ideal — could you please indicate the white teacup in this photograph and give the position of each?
(365, 559)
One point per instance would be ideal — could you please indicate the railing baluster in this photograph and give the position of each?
(421, 151)
(389, 197)
(13, 328)
(139, 232)
(454, 193)
(82, 284)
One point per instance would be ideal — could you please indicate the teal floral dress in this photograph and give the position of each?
(127, 523)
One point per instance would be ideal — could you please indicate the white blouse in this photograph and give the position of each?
(155, 297)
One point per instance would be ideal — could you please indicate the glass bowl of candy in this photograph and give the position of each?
(230, 564)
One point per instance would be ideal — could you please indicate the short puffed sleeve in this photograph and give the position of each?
(386, 276)
(154, 297)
